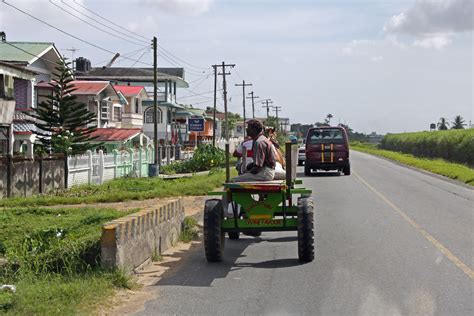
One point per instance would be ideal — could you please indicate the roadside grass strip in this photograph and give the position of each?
(124, 189)
(52, 258)
(439, 166)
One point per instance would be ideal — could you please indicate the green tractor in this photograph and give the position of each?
(257, 207)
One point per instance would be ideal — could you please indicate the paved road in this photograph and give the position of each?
(389, 241)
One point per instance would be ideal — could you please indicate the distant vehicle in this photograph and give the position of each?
(302, 153)
(327, 148)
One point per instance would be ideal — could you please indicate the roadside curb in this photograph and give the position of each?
(182, 175)
(128, 242)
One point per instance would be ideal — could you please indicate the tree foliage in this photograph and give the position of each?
(62, 123)
(443, 124)
(458, 122)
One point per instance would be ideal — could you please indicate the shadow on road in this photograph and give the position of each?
(194, 270)
(319, 174)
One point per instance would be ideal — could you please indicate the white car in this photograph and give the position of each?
(301, 154)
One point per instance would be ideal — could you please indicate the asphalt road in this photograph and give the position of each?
(389, 241)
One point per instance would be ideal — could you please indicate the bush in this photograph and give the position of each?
(205, 158)
(451, 145)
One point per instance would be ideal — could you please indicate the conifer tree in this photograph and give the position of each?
(63, 124)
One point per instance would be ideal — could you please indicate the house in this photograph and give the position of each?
(132, 112)
(109, 139)
(169, 80)
(41, 58)
(100, 97)
(9, 73)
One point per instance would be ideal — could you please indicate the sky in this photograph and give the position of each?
(377, 65)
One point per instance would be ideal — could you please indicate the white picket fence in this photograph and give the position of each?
(220, 143)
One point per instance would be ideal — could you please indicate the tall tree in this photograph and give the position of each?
(458, 122)
(62, 123)
(443, 124)
(328, 118)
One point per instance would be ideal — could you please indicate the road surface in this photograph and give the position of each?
(389, 241)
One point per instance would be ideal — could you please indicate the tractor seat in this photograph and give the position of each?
(258, 186)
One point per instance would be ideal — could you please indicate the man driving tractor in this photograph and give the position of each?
(263, 166)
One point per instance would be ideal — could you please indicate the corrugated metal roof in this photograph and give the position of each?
(129, 90)
(89, 87)
(11, 53)
(115, 134)
(23, 128)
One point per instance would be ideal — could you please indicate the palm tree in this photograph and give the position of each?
(458, 122)
(442, 124)
(328, 118)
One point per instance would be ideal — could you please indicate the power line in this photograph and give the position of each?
(94, 26)
(111, 22)
(100, 22)
(129, 54)
(121, 27)
(197, 94)
(66, 33)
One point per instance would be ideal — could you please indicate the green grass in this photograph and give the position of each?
(53, 260)
(190, 230)
(124, 189)
(448, 169)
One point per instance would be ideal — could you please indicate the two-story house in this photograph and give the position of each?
(40, 58)
(8, 74)
(169, 80)
(132, 112)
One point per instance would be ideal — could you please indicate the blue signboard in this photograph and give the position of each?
(196, 125)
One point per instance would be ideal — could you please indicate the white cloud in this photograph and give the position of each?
(434, 41)
(433, 22)
(357, 48)
(377, 59)
(180, 7)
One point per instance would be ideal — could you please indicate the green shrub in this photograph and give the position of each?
(205, 158)
(451, 145)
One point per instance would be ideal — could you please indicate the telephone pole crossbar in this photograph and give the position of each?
(268, 105)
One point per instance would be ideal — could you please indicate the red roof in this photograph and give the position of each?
(129, 90)
(82, 87)
(115, 134)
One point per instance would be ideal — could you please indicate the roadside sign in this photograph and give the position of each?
(196, 125)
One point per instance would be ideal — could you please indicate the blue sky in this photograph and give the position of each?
(384, 66)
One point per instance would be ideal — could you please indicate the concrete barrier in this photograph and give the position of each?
(129, 241)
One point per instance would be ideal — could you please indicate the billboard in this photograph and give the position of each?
(196, 125)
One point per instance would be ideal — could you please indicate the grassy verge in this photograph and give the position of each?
(448, 169)
(53, 261)
(124, 189)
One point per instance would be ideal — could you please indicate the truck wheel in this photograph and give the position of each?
(347, 170)
(305, 230)
(307, 170)
(214, 237)
(234, 235)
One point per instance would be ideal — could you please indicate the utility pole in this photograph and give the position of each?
(277, 109)
(253, 104)
(268, 105)
(155, 104)
(215, 105)
(243, 85)
(224, 84)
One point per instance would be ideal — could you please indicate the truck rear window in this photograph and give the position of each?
(326, 136)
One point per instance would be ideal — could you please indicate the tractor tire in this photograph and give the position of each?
(305, 230)
(347, 170)
(234, 235)
(307, 170)
(214, 237)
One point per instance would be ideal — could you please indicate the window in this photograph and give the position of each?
(117, 113)
(326, 136)
(137, 106)
(149, 116)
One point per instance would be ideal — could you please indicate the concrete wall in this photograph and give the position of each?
(31, 177)
(129, 241)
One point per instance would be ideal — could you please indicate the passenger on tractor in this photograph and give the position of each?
(280, 173)
(263, 166)
(246, 146)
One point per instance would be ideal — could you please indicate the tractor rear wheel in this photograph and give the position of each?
(214, 237)
(305, 230)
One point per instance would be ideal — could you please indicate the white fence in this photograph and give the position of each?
(220, 143)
